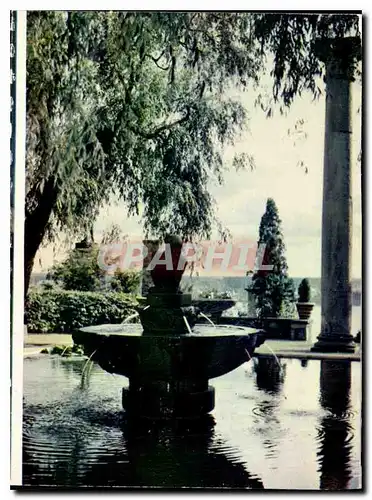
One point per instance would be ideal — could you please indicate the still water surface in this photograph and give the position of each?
(294, 428)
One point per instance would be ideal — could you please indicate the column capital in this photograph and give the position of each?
(341, 55)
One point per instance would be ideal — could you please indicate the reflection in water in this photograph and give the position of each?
(335, 432)
(134, 454)
(74, 436)
(174, 456)
(77, 435)
(270, 374)
(70, 366)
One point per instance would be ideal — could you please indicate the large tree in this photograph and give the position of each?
(137, 104)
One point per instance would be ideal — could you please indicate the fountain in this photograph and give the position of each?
(170, 360)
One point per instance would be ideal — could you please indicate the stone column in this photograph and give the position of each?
(340, 56)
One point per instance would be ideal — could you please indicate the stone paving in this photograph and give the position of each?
(302, 350)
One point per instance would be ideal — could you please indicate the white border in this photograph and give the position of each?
(18, 274)
(190, 5)
(81, 5)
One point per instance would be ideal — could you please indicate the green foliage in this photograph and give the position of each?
(125, 281)
(62, 350)
(304, 291)
(77, 349)
(65, 351)
(66, 311)
(273, 289)
(80, 271)
(288, 310)
(49, 285)
(42, 311)
(137, 104)
(298, 43)
(64, 159)
(130, 105)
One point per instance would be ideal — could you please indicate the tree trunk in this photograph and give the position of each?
(35, 226)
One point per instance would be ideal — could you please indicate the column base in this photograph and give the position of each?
(334, 343)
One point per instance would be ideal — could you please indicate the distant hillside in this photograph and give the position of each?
(235, 285)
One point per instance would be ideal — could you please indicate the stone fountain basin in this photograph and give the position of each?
(207, 353)
(213, 306)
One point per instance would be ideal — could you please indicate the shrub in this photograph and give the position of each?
(65, 351)
(61, 349)
(49, 285)
(80, 271)
(288, 310)
(304, 291)
(66, 311)
(126, 281)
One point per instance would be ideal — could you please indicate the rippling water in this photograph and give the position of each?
(294, 428)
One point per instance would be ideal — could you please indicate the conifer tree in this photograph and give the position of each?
(273, 289)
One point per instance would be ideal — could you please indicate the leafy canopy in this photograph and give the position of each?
(137, 104)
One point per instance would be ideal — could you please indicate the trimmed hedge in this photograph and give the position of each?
(64, 311)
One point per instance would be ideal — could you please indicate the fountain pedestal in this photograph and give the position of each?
(168, 313)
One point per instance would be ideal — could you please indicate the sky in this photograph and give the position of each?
(278, 174)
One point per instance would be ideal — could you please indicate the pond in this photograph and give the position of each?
(294, 426)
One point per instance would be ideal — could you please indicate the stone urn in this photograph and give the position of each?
(169, 278)
(304, 309)
(304, 306)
